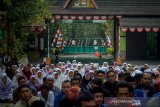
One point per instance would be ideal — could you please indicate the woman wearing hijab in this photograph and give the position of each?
(57, 80)
(26, 71)
(69, 75)
(48, 69)
(33, 82)
(5, 88)
(40, 76)
(60, 74)
(63, 71)
(86, 78)
(33, 70)
(80, 69)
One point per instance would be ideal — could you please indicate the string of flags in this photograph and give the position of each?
(58, 39)
(109, 42)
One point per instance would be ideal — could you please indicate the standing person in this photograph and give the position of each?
(21, 80)
(40, 75)
(46, 95)
(124, 89)
(57, 80)
(145, 85)
(69, 100)
(43, 64)
(86, 78)
(98, 96)
(124, 92)
(85, 99)
(56, 53)
(65, 89)
(50, 81)
(101, 76)
(69, 75)
(34, 82)
(111, 83)
(26, 96)
(94, 83)
(132, 81)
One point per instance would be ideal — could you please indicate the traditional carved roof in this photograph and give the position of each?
(111, 7)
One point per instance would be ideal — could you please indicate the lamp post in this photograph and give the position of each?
(48, 32)
(48, 22)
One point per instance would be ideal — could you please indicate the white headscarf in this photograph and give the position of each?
(67, 77)
(81, 70)
(61, 76)
(58, 81)
(33, 70)
(8, 80)
(40, 80)
(5, 88)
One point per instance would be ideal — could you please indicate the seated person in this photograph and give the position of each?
(26, 96)
(85, 99)
(46, 95)
(98, 96)
(38, 103)
(5, 88)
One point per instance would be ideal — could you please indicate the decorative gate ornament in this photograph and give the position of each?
(155, 29)
(140, 29)
(77, 17)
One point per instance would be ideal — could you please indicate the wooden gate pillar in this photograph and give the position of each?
(116, 38)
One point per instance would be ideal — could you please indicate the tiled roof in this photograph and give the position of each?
(112, 7)
(140, 22)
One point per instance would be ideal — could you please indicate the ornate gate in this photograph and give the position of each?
(81, 45)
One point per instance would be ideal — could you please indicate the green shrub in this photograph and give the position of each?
(110, 51)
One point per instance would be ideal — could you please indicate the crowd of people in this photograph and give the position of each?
(74, 84)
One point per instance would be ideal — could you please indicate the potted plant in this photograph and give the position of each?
(110, 52)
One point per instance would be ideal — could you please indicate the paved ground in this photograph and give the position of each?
(141, 62)
(135, 62)
(83, 56)
(153, 63)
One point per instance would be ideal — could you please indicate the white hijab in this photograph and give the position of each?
(57, 81)
(40, 80)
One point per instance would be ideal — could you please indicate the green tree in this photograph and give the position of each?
(21, 15)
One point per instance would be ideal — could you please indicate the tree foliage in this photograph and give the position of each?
(22, 14)
(86, 30)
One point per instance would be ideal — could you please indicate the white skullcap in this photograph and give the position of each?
(91, 71)
(148, 70)
(138, 72)
(57, 69)
(50, 77)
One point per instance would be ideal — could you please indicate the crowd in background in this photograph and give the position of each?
(74, 84)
